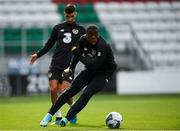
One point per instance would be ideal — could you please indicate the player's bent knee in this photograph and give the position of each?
(64, 86)
(53, 85)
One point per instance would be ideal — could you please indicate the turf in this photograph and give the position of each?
(152, 112)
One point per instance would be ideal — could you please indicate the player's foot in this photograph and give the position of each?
(46, 120)
(63, 122)
(57, 121)
(73, 120)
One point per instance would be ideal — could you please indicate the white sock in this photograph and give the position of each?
(58, 114)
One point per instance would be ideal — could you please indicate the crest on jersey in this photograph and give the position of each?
(50, 75)
(93, 52)
(75, 31)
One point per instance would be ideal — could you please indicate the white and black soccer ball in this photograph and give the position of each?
(114, 120)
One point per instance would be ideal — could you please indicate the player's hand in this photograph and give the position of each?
(67, 72)
(76, 51)
(33, 58)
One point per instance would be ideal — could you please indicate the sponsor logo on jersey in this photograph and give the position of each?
(93, 52)
(99, 54)
(85, 49)
(75, 31)
(107, 80)
(62, 30)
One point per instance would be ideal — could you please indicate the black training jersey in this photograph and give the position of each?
(65, 36)
(98, 57)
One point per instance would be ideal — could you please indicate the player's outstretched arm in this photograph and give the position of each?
(33, 58)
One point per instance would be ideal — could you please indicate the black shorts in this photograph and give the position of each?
(68, 77)
(56, 74)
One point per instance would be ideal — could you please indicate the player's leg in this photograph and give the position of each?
(54, 79)
(64, 85)
(67, 79)
(76, 86)
(66, 82)
(96, 85)
(53, 84)
(61, 88)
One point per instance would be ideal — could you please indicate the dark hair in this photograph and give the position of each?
(70, 8)
(91, 26)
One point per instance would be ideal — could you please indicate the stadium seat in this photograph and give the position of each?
(104, 32)
(85, 8)
(175, 6)
(149, 6)
(113, 6)
(139, 6)
(155, 23)
(34, 34)
(34, 38)
(3, 20)
(12, 38)
(164, 6)
(28, 13)
(12, 34)
(100, 6)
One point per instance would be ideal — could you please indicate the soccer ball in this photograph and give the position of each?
(114, 120)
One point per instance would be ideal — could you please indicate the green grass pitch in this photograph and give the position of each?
(151, 112)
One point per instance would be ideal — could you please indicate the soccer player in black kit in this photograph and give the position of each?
(65, 35)
(97, 56)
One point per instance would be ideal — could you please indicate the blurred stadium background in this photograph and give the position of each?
(144, 35)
